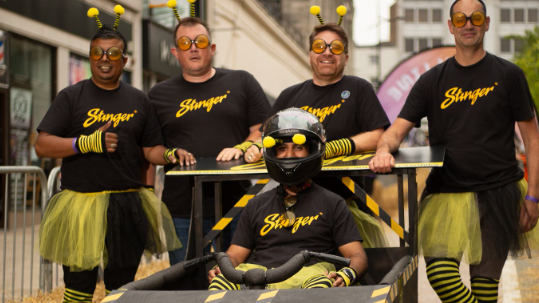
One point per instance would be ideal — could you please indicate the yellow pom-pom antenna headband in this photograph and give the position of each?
(192, 7)
(315, 10)
(119, 10)
(172, 4)
(93, 13)
(341, 10)
(299, 139)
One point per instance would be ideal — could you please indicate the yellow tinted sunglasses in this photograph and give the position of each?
(477, 18)
(201, 41)
(336, 46)
(113, 53)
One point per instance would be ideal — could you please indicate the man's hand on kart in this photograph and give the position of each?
(213, 272)
(337, 280)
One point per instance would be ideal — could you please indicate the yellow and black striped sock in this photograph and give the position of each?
(92, 143)
(107, 292)
(485, 289)
(317, 281)
(444, 277)
(71, 295)
(220, 283)
(340, 147)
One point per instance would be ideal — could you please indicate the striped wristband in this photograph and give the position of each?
(531, 198)
(170, 152)
(244, 146)
(340, 147)
(348, 275)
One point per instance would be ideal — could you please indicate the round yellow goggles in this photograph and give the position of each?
(201, 42)
(113, 53)
(336, 46)
(477, 18)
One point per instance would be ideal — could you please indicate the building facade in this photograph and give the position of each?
(421, 24)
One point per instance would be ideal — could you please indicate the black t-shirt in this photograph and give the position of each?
(323, 224)
(345, 108)
(81, 109)
(472, 111)
(204, 118)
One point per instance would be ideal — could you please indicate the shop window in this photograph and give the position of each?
(505, 15)
(31, 96)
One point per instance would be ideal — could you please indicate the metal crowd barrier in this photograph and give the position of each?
(23, 190)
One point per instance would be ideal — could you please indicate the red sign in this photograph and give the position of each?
(396, 87)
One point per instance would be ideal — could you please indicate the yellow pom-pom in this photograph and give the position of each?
(92, 12)
(299, 139)
(192, 1)
(341, 10)
(315, 10)
(171, 3)
(118, 9)
(268, 142)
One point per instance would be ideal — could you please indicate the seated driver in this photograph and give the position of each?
(297, 215)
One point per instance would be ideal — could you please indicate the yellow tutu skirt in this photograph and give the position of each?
(75, 226)
(450, 224)
(370, 229)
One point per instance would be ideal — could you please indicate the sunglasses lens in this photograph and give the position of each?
(337, 47)
(96, 53)
(319, 46)
(202, 41)
(114, 53)
(478, 18)
(459, 19)
(184, 43)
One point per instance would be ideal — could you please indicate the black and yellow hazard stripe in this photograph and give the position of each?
(238, 207)
(113, 297)
(376, 209)
(216, 297)
(388, 293)
(267, 297)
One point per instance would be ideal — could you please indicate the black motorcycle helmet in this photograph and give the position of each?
(301, 127)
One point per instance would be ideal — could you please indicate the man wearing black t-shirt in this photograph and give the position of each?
(101, 128)
(208, 112)
(348, 108)
(297, 215)
(478, 205)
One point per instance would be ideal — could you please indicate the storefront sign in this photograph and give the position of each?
(157, 45)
